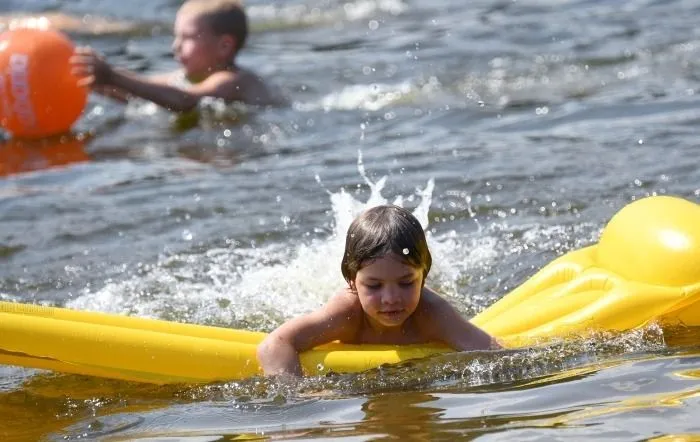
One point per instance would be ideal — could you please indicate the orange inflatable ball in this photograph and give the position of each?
(39, 95)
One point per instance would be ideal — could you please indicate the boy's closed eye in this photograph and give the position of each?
(378, 285)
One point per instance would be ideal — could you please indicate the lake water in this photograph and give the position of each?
(516, 128)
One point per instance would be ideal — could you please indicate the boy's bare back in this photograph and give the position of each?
(254, 90)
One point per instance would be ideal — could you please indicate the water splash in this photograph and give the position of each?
(346, 208)
(253, 288)
(467, 370)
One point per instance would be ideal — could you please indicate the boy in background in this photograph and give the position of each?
(208, 35)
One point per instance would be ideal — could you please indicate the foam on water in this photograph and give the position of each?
(374, 96)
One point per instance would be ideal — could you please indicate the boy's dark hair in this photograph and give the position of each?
(224, 17)
(382, 230)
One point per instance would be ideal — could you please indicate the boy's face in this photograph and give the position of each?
(389, 290)
(197, 48)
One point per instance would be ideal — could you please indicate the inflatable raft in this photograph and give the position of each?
(646, 267)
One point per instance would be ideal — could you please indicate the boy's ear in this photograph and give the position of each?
(228, 43)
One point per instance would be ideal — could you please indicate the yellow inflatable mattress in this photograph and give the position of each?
(646, 267)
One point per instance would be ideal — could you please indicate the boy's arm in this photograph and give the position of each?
(339, 319)
(442, 322)
(95, 72)
(219, 84)
(123, 96)
(112, 92)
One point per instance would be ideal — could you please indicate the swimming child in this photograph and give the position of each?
(208, 35)
(385, 264)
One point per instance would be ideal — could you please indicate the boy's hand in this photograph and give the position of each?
(91, 69)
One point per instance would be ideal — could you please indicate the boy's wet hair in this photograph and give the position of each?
(382, 230)
(224, 17)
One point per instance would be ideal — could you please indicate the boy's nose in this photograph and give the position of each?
(390, 296)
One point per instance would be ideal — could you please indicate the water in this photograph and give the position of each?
(515, 129)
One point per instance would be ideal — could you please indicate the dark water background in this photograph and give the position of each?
(535, 120)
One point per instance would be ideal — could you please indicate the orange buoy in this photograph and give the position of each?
(39, 96)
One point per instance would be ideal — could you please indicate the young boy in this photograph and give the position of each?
(385, 264)
(208, 36)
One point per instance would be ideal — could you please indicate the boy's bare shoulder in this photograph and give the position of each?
(345, 301)
(255, 90)
(430, 301)
(431, 309)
